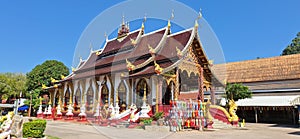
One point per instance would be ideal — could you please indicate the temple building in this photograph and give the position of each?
(158, 65)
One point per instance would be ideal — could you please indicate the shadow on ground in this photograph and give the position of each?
(284, 126)
(295, 133)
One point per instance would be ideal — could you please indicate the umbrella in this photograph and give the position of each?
(22, 108)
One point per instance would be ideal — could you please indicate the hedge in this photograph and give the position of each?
(34, 129)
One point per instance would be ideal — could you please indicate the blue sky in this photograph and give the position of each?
(34, 31)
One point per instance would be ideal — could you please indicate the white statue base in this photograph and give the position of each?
(145, 110)
(82, 114)
(40, 112)
(70, 114)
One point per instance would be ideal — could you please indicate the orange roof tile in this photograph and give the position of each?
(265, 69)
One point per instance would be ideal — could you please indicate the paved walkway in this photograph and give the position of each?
(67, 130)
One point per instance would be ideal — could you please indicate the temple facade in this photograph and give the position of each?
(156, 66)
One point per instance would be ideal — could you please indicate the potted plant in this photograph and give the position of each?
(159, 118)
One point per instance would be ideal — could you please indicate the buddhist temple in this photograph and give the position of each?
(135, 66)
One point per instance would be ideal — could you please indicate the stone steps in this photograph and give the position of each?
(221, 125)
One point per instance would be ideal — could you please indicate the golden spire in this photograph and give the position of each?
(130, 66)
(158, 69)
(145, 88)
(117, 97)
(143, 27)
(199, 17)
(172, 17)
(169, 23)
(196, 24)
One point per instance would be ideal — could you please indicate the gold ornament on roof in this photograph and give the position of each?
(130, 66)
(133, 41)
(179, 52)
(158, 69)
(62, 77)
(73, 69)
(196, 24)
(98, 53)
(53, 80)
(44, 86)
(151, 50)
(211, 62)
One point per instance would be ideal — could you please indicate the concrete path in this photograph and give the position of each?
(66, 130)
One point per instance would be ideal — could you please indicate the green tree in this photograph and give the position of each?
(237, 91)
(294, 47)
(42, 74)
(12, 84)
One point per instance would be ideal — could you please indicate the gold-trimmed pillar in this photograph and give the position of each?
(200, 84)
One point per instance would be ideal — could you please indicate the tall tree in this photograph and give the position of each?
(294, 47)
(43, 73)
(237, 91)
(12, 84)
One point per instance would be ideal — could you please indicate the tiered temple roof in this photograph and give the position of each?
(144, 53)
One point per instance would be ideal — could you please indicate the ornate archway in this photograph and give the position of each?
(140, 88)
(168, 92)
(104, 94)
(122, 95)
(78, 99)
(67, 98)
(89, 99)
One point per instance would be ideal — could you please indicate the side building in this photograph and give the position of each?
(275, 83)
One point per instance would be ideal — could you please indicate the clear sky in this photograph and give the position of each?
(33, 31)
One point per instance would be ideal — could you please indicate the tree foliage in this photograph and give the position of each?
(12, 84)
(42, 74)
(294, 47)
(237, 91)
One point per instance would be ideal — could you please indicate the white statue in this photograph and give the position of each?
(97, 113)
(40, 111)
(82, 110)
(70, 110)
(49, 112)
(58, 110)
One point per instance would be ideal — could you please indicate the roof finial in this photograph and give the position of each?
(128, 25)
(200, 14)
(123, 19)
(106, 37)
(145, 18)
(80, 58)
(172, 15)
(124, 29)
(199, 17)
(171, 18)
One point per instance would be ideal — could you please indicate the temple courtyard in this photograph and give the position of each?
(68, 130)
